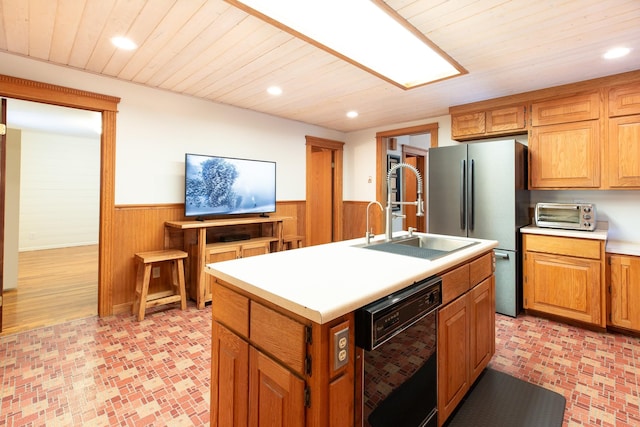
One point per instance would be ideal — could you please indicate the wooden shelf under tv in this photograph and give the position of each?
(203, 241)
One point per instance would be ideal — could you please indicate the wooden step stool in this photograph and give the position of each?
(292, 242)
(146, 261)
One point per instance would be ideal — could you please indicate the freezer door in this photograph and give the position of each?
(508, 284)
(447, 190)
(492, 192)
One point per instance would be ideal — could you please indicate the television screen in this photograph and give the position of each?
(226, 186)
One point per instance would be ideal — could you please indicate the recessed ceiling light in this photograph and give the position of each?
(616, 52)
(274, 90)
(366, 33)
(352, 114)
(123, 43)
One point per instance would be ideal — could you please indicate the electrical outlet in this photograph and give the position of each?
(155, 272)
(341, 348)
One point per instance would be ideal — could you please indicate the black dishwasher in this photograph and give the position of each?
(398, 334)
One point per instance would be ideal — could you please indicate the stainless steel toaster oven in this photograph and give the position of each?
(569, 216)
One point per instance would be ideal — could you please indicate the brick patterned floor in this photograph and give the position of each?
(117, 371)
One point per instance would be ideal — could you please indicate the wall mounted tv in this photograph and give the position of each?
(216, 186)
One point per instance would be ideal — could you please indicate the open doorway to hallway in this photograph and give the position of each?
(52, 215)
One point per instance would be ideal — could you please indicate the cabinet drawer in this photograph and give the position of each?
(279, 336)
(582, 248)
(480, 269)
(231, 309)
(455, 283)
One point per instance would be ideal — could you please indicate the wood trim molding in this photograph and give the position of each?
(30, 90)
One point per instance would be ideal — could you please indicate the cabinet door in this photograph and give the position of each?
(624, 100)
(453, 356)
(276, 396)
(463, 125)
(229, 378)
(481, 326)
(566, 110)
(625, 291)
(563, 286)
(253, 249)
(624, 152)
(505, 120)
(565, 156)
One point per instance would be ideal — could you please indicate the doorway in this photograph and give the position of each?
(52, 188)
(411, 154)
(324, 191)
(107, 106)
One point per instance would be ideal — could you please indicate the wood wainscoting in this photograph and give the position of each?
(140, 228)
(355, 219)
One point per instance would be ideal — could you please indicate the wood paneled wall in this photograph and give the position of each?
(139, 228)
(355, 219)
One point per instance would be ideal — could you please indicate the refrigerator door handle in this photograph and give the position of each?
(463, 192)
(502, 255)
(472, 189)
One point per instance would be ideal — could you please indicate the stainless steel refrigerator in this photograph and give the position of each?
(480, 190)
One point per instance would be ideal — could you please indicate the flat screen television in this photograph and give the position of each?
(217, 186)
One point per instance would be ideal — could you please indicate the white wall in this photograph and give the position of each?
(155, 128)
(360, 156)
(11, 209)
(617, 207)
(59, 191)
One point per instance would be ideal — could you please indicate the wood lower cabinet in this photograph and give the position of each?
(272, 368)
(564, 277)
(230, 357)
(466, 331)
(624, 291)
(276, 395)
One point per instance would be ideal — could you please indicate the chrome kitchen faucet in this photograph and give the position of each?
(418, 203)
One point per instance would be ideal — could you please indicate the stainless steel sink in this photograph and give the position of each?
(426, 247)
(438, 243)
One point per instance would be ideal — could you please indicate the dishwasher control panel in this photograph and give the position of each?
(388, 316)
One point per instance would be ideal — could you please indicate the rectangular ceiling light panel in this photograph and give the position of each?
(364, 32)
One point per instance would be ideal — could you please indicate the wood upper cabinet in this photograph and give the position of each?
(624, 152)
(564, 143)
(624, 291)
(495, 122)
(624, 100)
(565, 155)
(563, 276)
(624, 137)
(570, 109)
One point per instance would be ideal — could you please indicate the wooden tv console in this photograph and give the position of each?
(204, 242)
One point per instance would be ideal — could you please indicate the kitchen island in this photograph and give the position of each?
(275, 356)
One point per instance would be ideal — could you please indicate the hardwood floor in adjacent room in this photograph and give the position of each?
(54, 286)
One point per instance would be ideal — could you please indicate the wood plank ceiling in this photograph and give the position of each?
(212, 50)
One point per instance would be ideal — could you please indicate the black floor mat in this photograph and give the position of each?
(500, 400)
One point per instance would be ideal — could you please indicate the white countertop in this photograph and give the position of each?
(600, 233)
(324, 282)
